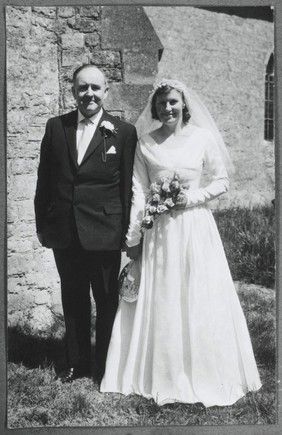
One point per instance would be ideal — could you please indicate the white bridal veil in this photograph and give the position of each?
(200, 116)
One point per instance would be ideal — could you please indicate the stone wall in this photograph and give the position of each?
(222, 57)
(44, 46)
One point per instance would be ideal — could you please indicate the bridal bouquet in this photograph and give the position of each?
(163, 195)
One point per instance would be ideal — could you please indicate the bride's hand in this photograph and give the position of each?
(133, 252)
(181, 201)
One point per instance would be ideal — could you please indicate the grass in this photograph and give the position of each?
(259, 306)
(248, 237)
(36, 398)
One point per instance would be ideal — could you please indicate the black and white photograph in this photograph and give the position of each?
(141, 216)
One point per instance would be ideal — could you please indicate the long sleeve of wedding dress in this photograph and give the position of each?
(218, 174)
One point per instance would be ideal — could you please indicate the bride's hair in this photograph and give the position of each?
(165, 89)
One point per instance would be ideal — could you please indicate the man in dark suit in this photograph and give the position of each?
(82, 205)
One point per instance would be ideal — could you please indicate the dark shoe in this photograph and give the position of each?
(74, 373)
(68, 377)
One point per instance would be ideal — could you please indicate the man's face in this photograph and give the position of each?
(89, 91)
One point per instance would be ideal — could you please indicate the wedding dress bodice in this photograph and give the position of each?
(186, 154)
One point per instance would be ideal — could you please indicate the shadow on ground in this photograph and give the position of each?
(35, 351)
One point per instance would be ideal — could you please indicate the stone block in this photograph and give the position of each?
(67, 91)
(113, 74)
(16, 318)
(42, 297)
(72, 40)
(15, 285)
(35, 133)
(92, 40)
(25, 209)
(45, 278)
(19, 263)
(106, 58)
(89, 11)
(18, 20)
(44, 27)
(74, 58)
(19, 147)
(21, 166)
(34, 104)
(22, 186)
(11, 214)
(14, 229)
(46, 109)
(65, 11)
(15, 39)
(66, 76)
(45, 257)
(41, 318)
(82, 24)
(17, 100)
(16, 122)
(20, 302)
(37, 63)
(19, 246)
(49, 12)
(68, 101)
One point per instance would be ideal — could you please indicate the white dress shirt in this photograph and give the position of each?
(90, 128)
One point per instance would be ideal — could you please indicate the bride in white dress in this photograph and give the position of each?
(185, 339)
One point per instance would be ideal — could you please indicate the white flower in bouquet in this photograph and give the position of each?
(163, 196)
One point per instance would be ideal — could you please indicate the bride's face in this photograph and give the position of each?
(169, 107)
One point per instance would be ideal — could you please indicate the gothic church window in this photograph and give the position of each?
(269, 100)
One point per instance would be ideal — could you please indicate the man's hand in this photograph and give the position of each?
(39, 236)
(133, 252)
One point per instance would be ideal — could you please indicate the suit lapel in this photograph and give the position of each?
(97, 138)
(95, 141)
(70, 132)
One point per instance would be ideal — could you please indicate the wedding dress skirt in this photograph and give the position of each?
(185, 339)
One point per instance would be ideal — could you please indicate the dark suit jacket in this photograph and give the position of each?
(95, 195)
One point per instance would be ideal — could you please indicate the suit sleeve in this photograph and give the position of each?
(42, 193)
(126, 176)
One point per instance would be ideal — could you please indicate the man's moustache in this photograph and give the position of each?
(90, 100)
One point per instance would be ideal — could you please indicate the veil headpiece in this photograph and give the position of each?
(200, 116)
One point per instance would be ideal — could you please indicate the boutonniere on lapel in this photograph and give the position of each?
(107, 130)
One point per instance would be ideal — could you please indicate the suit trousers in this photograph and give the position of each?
(80, 270)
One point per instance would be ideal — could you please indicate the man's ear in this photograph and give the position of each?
(73, 91)
(106, 92)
